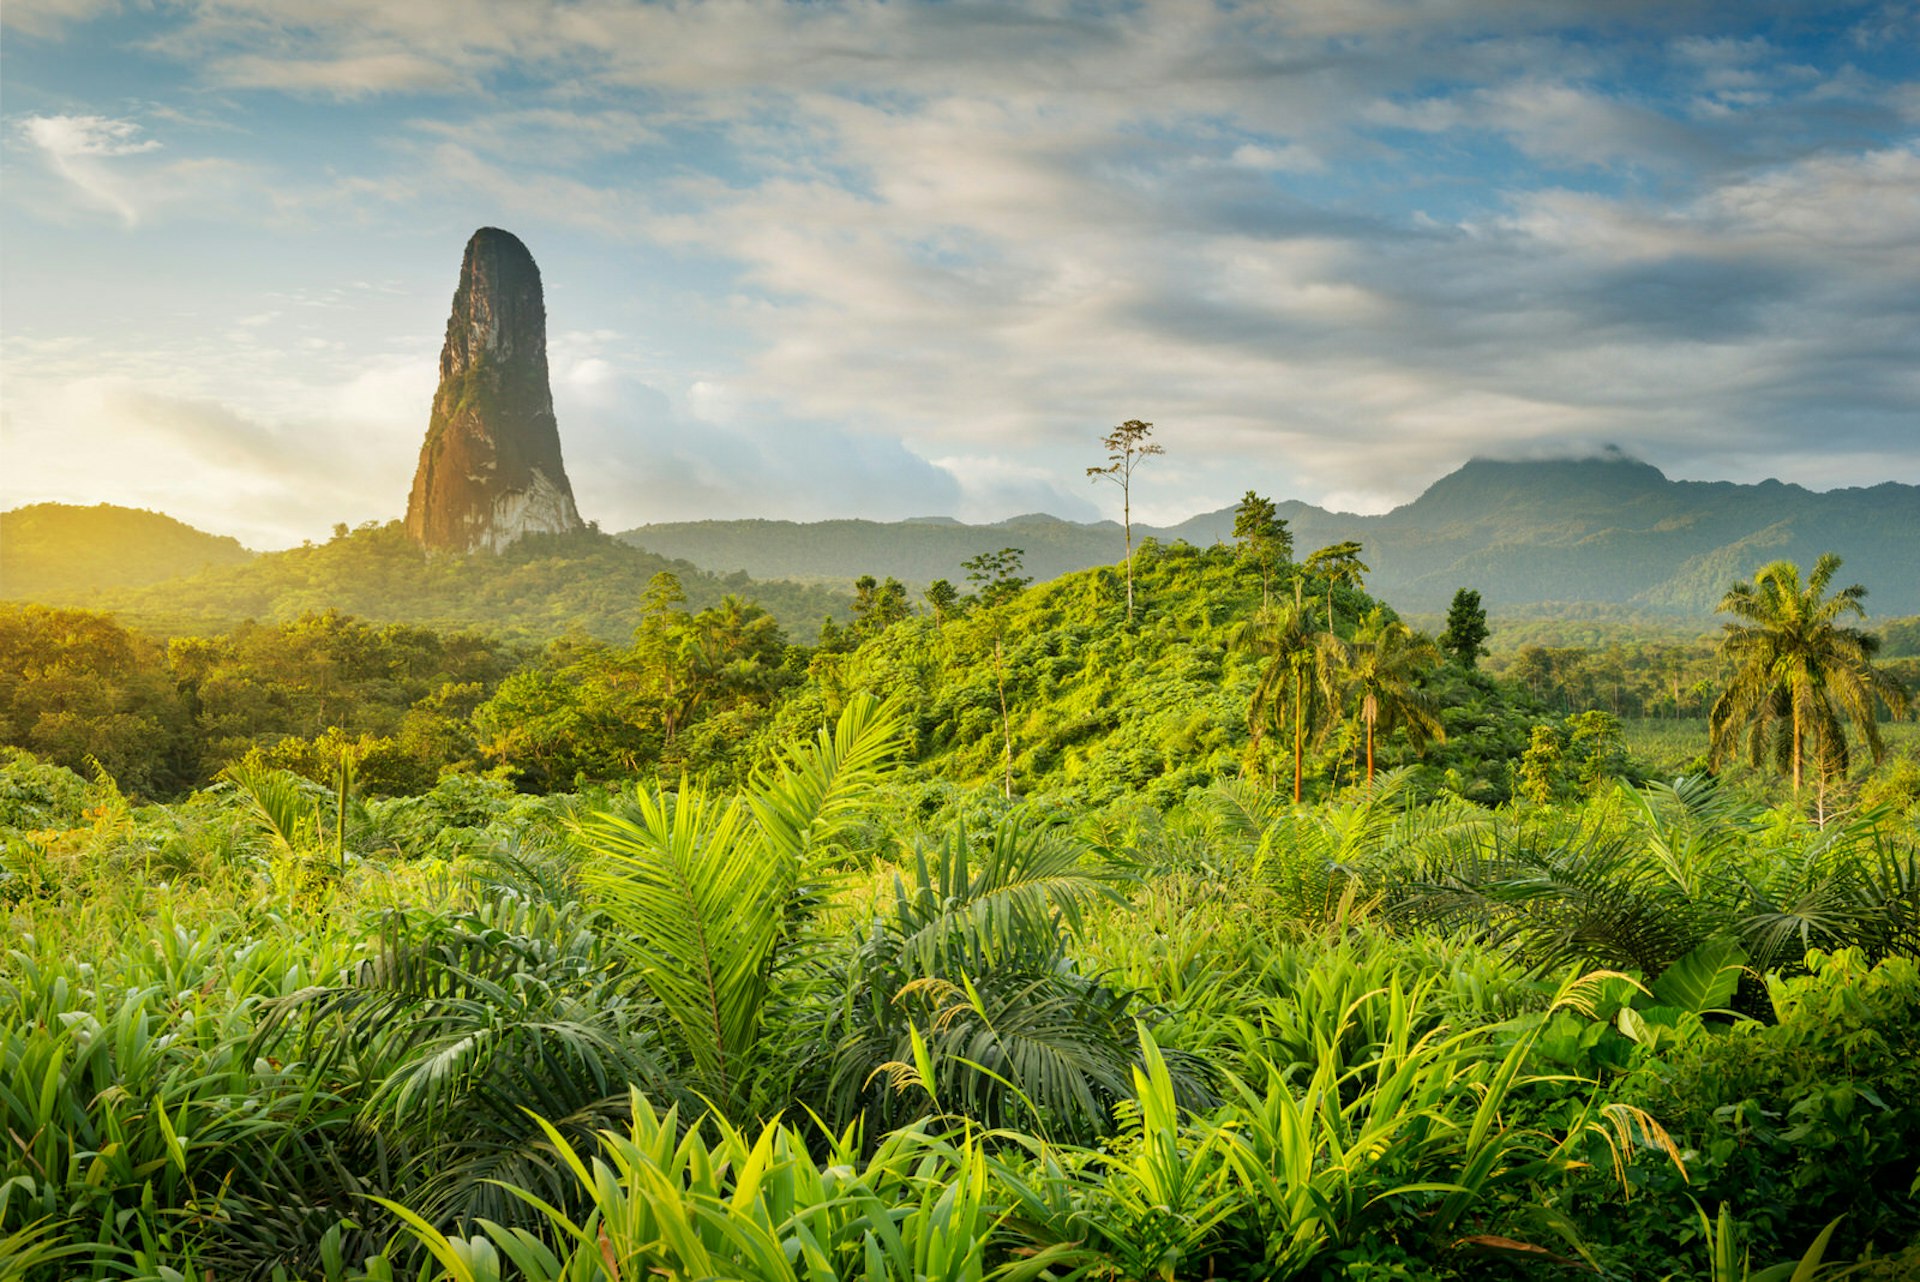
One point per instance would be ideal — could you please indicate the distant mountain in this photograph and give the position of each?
(917, 550)
(1609, 530)
(59, 554)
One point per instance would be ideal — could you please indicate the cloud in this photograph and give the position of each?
(911, 258)
(1572, 125)
(112, 167)
(267, 483)
(50, 18)
(78, 146)
(352, 76)
(636, 456)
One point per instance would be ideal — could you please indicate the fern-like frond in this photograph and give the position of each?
(690, 894)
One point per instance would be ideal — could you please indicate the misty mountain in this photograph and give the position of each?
(542, 586)
(1607, 530)
(56, 552)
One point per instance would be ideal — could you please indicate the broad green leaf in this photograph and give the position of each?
(1703, 980)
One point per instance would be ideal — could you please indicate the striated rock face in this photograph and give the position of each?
(490, 469)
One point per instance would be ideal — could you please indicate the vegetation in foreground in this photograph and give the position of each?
(1304, 955)
(836, 1024)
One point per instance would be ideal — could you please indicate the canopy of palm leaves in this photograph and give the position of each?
(709, 895)
(1298, 685)
(965, 992)
(1799, 675)
(1384, 663)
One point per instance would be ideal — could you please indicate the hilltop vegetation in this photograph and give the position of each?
(1093, 709)
(540, 587)
(60, 554)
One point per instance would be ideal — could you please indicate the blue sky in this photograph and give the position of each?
(894, 259)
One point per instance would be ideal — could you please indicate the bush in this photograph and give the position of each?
(1797, 1122)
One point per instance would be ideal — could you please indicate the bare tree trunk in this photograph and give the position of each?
(1796, 749)
(1006, 724)
(1299, 738)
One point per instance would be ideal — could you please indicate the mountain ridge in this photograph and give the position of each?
(1529, 535)
(1610, 530)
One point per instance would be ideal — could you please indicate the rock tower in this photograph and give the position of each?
(490, 469)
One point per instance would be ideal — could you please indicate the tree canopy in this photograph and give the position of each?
(1799, 675)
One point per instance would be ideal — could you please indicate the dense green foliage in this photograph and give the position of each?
(817, 1027)
(80, 689)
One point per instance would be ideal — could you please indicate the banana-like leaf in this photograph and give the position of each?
(1705, 979)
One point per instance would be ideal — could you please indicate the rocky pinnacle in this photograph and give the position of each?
(490, 469)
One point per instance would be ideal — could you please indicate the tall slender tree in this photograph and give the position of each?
(1262, 537)
(1296, 690)
(1798, 674)
(1127, 448)
(1381, 675)
(997, 577)
(1337, 563)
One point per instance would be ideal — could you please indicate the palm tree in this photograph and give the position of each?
(1297, 684)
(965, 987)
(1385, 660)
(709, 895)
(1798, 674)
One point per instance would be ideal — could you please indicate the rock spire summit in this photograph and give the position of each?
(490, 469)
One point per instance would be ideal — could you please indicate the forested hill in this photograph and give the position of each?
(542, 586)
(1608, 530)
(59, 552)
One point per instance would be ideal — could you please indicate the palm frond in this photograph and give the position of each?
(815, 788)
(691, 898)
(281, 805)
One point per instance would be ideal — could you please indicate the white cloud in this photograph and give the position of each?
(78, 146)
(355, 76)
(1290, 158)
(267, 483)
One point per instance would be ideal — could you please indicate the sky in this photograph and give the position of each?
(812, 260)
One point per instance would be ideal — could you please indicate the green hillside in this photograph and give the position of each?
(59, 553)
(543, 586)
(1102, 711)
(1607, 531)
